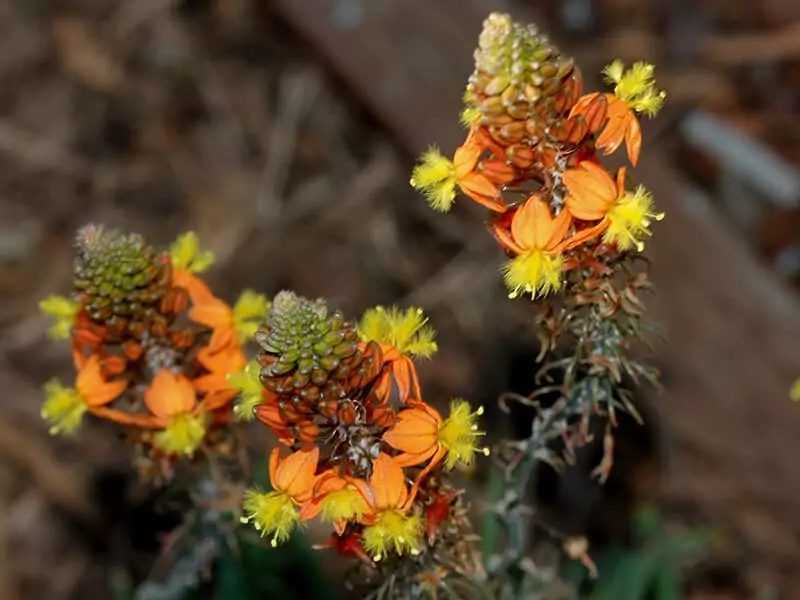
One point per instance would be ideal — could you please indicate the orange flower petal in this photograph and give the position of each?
(216, 400)
(93, 387)
(532, 225)
(633, 139)
(198, 291)
(585, 235)
(403, 371)
(505, 239)
(465, 159)
(415, 432)
(561, 225)
(613, 134)
(583, 104)
(411, 460)
(222, 337)
(212, 312)
(220, 364)
(169, 395)
(591, 191)
(123, 418)
(296, 474)
(388, 484)
(482, 191)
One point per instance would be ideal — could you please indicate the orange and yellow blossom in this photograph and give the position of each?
(338, 499)
(438, 177)
(402, 335)
(538, 239)
(172, 400)
(293, 480)
(64, 407)
(634, 92)
(389, 527)
(624, 217)
(421, 434)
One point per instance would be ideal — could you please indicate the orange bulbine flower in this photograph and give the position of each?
(538, 239)
(64, 407)
(438, 177)
(229, 360)
(173, 403)
(592, 191)
(401, 335)
(621, 123)
(388, 525)
(293, 480)
(421, 434)
(634, 92)
(624, 218)
(339, 500)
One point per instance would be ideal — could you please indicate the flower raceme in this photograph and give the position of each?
(525, 110)
(141, 362)
(329, 384)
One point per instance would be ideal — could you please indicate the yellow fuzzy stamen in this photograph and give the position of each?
(63, 408)
(248, 312)
(636, 86)
(394, 531)
(62, 312)
(247, 384)
(629, 220)
(183, 435)
(346, 504)
(186, 254)
(470, 116)
(535, 272)
(435, 177)
(459, 434)
(406, 330)
(271, 514)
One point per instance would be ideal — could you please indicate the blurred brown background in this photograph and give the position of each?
(283, 133)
